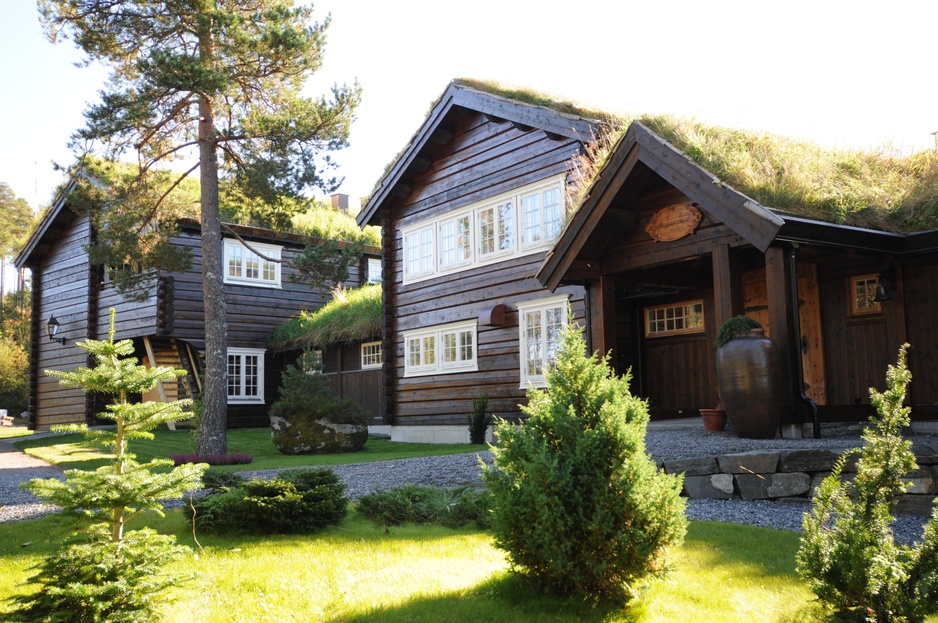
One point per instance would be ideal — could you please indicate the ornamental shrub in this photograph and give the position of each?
(307, 394)
(577, 504)
(848, 555)
(298, 502)
(424, 504)
(479, 420)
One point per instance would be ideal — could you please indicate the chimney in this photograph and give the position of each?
(340, 202)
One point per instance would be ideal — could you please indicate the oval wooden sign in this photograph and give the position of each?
(674, 222)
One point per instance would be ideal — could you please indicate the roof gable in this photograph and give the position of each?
(48, 219)
(458, 98)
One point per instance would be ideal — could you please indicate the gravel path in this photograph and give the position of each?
(665, 441)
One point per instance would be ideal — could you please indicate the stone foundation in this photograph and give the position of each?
(792, 474)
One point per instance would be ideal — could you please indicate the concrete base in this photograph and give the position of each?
(442, 434)
(791, 431)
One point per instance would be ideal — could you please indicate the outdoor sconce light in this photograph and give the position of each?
(52, 328)
(887, 280)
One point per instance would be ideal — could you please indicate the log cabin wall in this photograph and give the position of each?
(63, 289)
(919, 280)
(484, 158)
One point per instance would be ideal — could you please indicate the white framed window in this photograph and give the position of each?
(523, 221)
(540, 323)
(245, 375)
(371, 355)
(675, 319)
(374, 270)
(863, 295)
(441, 349)
(244, 266)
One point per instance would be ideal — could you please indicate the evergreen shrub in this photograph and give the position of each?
(424, 504)
(479, 420)
(298, 502)
(848, 555)
(577, 503)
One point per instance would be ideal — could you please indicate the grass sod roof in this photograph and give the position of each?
(352, 315)
(876, 188)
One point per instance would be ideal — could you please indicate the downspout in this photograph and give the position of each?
(799, 364)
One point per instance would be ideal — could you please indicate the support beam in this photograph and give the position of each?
(727, 293)
(602, 299)
(778, 287)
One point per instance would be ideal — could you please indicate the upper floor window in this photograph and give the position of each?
(374, 270)
(244, 266)
(863, 295)
(674, 319)
(245, 375)
(540, 324)
(523, 221)
(440, 349)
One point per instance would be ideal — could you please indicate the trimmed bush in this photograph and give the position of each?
(298, 502)
(479, 420)
(848, 555)
(578, 505)
(218, 480)
(425, 504)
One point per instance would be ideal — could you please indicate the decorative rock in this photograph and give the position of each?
(692, 467)
(715, 487)
(920, 505)
(767, 486)
(925, 455)
(921, 479)
(805, 460)
(755, 462)
(316, 436)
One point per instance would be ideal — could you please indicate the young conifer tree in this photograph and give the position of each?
(217, 85)
(577, 503)
(104, 573)
(848, 555)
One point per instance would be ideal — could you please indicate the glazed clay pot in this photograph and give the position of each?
(748, 370)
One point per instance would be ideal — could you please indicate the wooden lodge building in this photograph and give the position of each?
(479, 267)
(168, 326)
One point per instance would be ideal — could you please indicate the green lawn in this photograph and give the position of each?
(68, 452)
(358, 573)
(9, 432)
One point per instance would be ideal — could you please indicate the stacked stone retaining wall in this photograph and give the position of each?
(793, 474)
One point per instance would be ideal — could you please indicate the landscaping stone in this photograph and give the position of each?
(925, 455)
(920, 505)
(316, 436)
(805, 460)
(756, 462)
(692, 467)
(921, 480)
(714, 487)
(768, 486)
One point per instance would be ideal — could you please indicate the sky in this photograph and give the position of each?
(842, 74)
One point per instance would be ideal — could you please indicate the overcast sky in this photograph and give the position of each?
(852, 74)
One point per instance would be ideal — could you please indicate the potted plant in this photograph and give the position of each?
(748, 373)
(714, 420)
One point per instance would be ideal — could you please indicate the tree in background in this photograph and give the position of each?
(17, 221)
(208, 76)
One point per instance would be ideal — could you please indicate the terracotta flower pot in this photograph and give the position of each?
(714, 420)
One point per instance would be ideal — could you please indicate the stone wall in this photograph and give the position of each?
(787, 474)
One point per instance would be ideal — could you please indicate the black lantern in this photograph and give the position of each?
(52, 328)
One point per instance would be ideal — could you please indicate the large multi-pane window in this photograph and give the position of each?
(485, 232)
(246, 266)
(245, 375)
(439, 349)
(674, 319)
(540, 324)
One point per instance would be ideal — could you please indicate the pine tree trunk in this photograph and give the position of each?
(212, 436)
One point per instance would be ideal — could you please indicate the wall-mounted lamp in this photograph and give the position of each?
(887, 285)
(52, 328)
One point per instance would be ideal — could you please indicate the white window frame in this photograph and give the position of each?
(674, 314)
(437, 237)
(264, 267)
(242, 354)
(436, 340)
(371, 355)
(373, 270)
(540, 307)
(548, 220)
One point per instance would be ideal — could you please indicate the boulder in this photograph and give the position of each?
(304, 436)
(768, 486)
(806, 460)
(714, 487)
(692, 467)
(756, 462)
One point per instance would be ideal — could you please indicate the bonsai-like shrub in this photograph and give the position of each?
(577, 503)
(309, 418)
(106, 574)
(848, 556)
(479, 420)
(734, 326)
(425, 504)
(301, 502)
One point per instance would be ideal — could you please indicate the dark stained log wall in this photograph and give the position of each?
(920, 281)
(483, 159)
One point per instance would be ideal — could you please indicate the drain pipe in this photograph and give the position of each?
(799, 368)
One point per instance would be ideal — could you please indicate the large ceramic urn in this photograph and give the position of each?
(748, 372)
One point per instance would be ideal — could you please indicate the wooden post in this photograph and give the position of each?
(778, 290)
(727, 287)
(602, 298)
